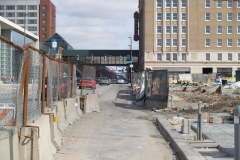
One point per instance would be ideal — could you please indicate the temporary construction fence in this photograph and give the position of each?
(88, 72)
(152, 88)
(30, 81)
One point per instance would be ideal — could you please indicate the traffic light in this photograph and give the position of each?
(77, 57)
(105, 58)
(92, 57)
(120, 58)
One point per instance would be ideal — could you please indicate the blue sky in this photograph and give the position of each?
(97, 24)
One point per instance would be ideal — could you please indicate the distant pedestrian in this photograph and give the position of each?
(12, 79)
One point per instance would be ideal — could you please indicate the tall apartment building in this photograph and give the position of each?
(190, 36)
(38, 20)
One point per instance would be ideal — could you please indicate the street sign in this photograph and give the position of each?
(127, 62)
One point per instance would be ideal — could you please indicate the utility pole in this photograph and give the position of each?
(131, 65)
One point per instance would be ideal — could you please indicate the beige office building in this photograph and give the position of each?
(190, 36)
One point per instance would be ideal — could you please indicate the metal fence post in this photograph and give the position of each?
(43, 83)
(236, 133)
(199, 126)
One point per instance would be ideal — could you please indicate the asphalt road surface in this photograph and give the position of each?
(120, 131)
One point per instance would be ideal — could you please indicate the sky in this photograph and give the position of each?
(97, 24)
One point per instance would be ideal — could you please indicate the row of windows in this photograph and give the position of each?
(19, 14)
(218, 3)
(220, 43)
(19, 7)
(220, 16)
(172, 42)
(29, 21)
(173, 3)
(174, 57)
(183, 4)
(174, 16)
(172, 29)
(220, 28)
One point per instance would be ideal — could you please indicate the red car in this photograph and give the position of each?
(87, 82)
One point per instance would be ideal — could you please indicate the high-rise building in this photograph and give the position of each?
(37, 16)
(190, 36)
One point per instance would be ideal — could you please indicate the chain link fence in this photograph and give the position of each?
(21, 85)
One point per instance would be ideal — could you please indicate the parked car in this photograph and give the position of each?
(87, 82)
(120, 80)
(104, 80)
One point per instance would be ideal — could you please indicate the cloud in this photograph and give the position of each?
(96, 24)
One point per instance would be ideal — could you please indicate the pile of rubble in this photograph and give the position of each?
(213, 98)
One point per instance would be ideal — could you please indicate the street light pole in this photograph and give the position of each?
(131, 58)
(25, 29)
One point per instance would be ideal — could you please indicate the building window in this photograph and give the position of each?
(238, 56)
(219, 29)
(219, 3)
(168, 16)
(207, 42)
(168, 57)
(8, 14)
(159, 29)
(238, 4)
(174, 16)
(238, 29)
(32, 14)
(20, 14)
(32, 21)
(219, 56)
(174, 3)
(44, 29)
(238, 42)
(229, 4)
(44, 7)
(184, 4)
(207, 56)
(168, 3)
(10, 7)
(32, 7)
(168, 29)
(44, 21)
(20, 21)
(184, 16)
(184, 42)
(184, 57)
(175, 57)
(229, 29)
(168, 42)
(159, 16)
(44, 14)
(12, 20)
(184, 29)
(44, 36)
(32, 28)
(219, 16)
(207, 3)
(21, 7)
(1, 7)
(229, 16)
(2, 14)
(159, 42)
(159, 3)
(229, 42)
(207, 16)
(219, 42)
(159, 56)
(238, 17)
(175, 42)
(229, 56)
(175, 29)
(207, 29)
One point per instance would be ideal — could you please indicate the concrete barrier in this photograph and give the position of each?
(9, 148)
(91, 103)
(70, 109)
(62, 122)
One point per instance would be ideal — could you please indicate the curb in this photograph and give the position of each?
(183, 148)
